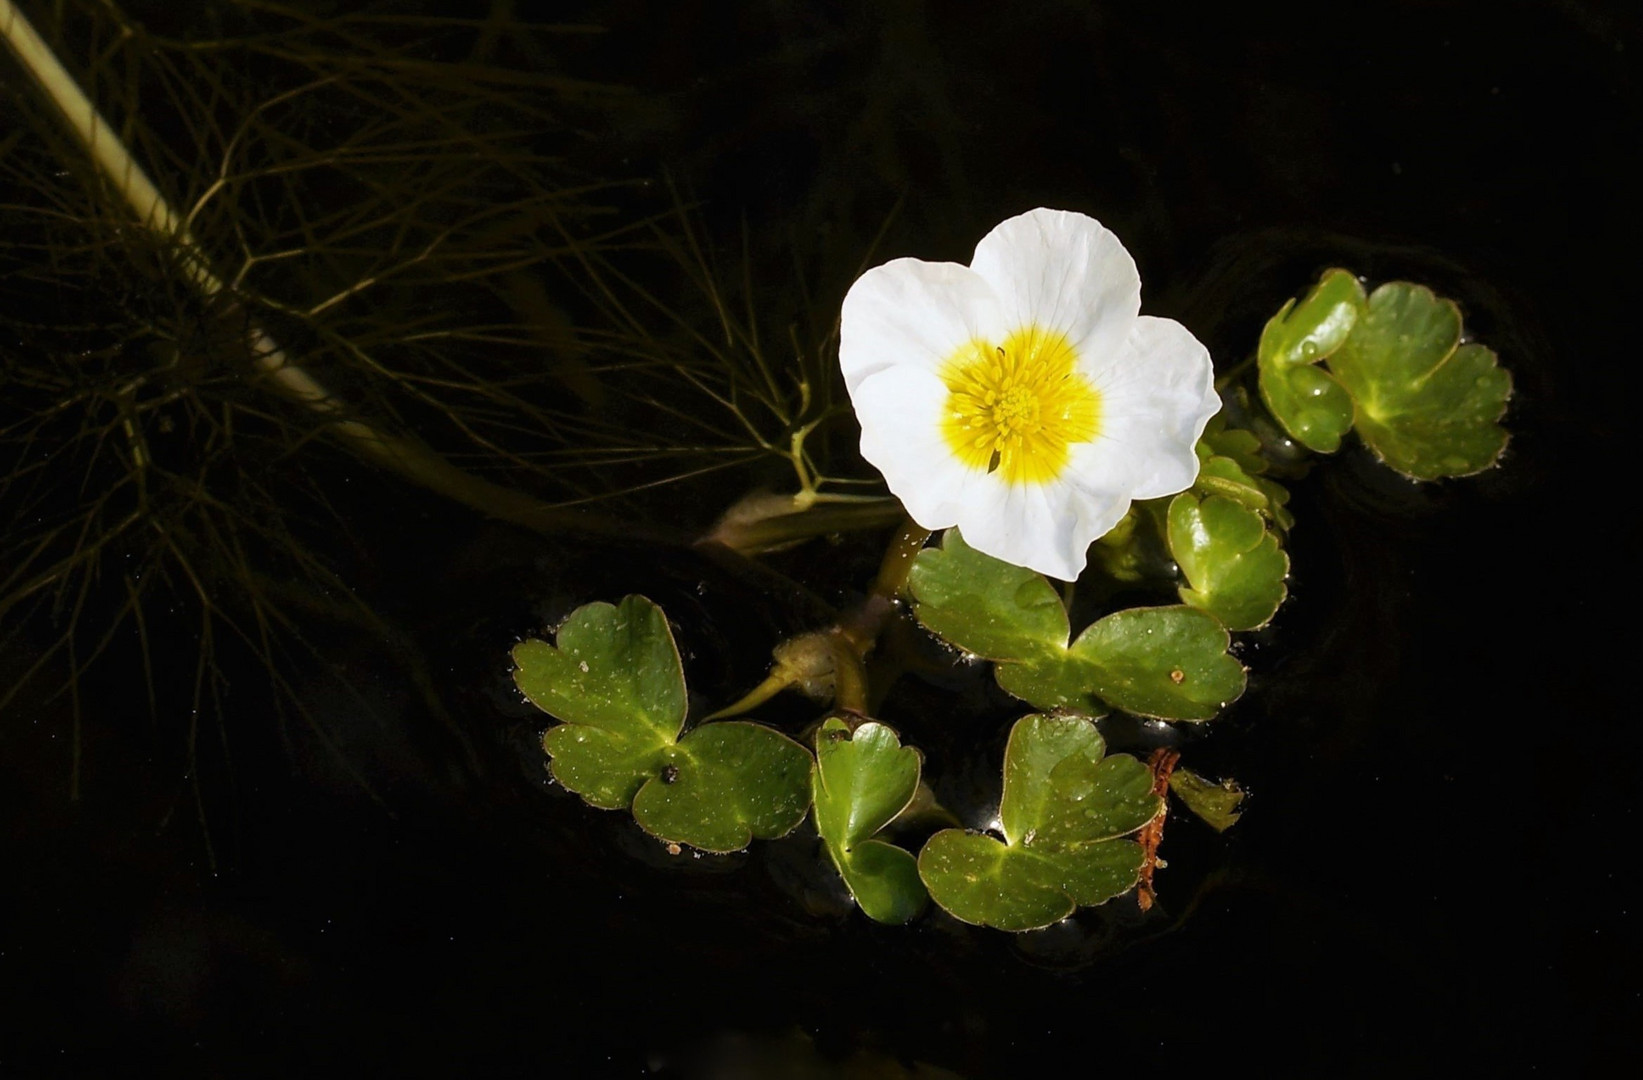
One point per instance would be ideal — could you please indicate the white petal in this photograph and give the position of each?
(1157, 393)
(1044, 527)
(1063, 271)
(913, 312)
(900, 409)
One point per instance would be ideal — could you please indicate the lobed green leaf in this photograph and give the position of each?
(1234, 567)
(1168, 663)
(984, 605)
(615, 680)
(725, 784)
(615, 667)
(860, 784)
(1311, 405)
(1242, 447)
(1165, 663)
(1060, 789)
(1427, 405)
(1065, 807)
(1225, 477)
(1217, 804)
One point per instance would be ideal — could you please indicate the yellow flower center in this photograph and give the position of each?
(1015, 408)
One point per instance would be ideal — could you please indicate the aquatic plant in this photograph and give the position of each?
(230, 250)
(1077, 826)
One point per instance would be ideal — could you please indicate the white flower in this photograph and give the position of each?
(1024, 398)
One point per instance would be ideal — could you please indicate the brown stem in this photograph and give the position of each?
(1162, 763)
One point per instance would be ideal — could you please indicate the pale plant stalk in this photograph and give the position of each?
(406, 456)
(129, 180)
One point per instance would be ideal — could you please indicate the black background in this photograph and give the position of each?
(1434, 870)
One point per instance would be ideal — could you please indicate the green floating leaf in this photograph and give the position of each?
(1169, 663)
(860, 784)
(1234, 567)
(984, 605)
(1166, 663)
(1217, 804)
(735, 781)
(1225, 477)
(1229, 478)
(1427, 405)
(1310, 404)
(1277, 500)
(1065, 806)
(615, 680)
(1243, 447)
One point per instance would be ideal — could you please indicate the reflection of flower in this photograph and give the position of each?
(1023, 398)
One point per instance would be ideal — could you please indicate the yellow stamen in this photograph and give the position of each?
(1017, 407)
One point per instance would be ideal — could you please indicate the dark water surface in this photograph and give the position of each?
(1434, 872)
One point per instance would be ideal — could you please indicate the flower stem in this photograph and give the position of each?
(898, 559)
(863, 623)
(779, 679)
